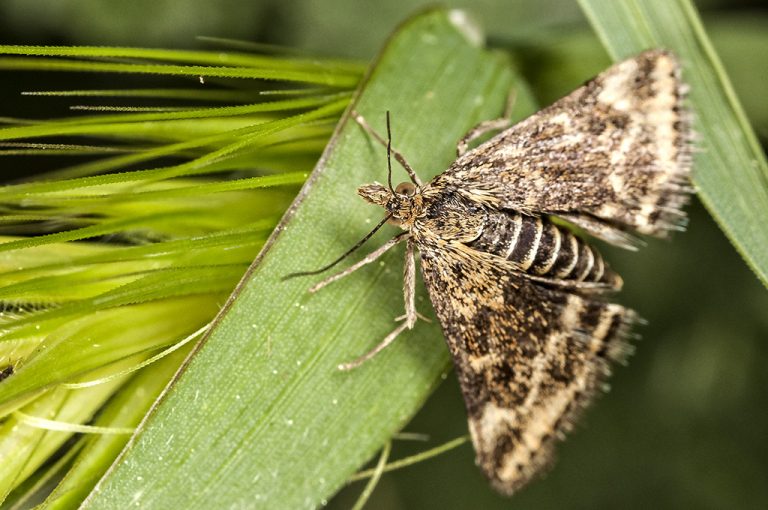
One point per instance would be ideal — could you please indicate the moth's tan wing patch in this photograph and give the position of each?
(616, 149)
(528, 357)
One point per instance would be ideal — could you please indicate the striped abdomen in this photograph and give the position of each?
(542, 248)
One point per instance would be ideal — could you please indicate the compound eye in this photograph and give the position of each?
(406, 188)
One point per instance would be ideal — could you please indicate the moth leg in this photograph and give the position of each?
(590, 287)
(486, 126)
(409, 284)
(418, 315)
(373, 352)
(398, 156)
(604, 231)
(409, 293)
(409, 288)
(371, 257)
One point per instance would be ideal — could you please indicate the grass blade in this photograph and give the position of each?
(171, 241)
(98, 451)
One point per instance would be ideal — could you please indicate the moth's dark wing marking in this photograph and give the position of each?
(528, 357)
(6, 372)
(616, 150)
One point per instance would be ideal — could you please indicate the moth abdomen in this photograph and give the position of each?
(540, 247)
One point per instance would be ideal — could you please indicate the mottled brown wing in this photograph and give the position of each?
(528, 357)
(616, 149)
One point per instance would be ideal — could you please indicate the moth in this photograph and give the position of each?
(523, 301)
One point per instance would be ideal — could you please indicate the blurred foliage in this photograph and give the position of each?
(347, 28)
(738, 30)
(692, 399)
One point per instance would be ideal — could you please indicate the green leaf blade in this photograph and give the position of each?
(261, 416)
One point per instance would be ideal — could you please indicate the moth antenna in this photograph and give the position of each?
(398, 157)
(389, 155)
(345, 255)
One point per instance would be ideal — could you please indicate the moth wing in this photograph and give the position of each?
(616, 149)
(528, 357)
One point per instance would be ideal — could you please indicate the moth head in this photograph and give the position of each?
(375, 193)
(397, 202)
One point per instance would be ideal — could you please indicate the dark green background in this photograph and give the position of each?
(685, 424)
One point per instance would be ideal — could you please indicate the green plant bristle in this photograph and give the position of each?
(116, 257)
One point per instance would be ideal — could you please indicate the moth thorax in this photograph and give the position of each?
(542, 248)
(401, 204)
